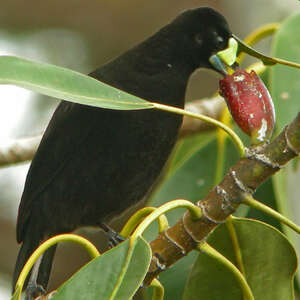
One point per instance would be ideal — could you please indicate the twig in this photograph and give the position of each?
(22, 150)
(19, 150)
(211, 107)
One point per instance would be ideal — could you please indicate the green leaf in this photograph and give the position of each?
(65, 84)
(284, 81)
(269, 259)
(187, 147)
(285, 90)
(117, 274)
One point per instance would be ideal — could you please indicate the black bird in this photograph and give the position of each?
(92, 163)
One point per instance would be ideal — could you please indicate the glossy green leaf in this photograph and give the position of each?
(285, 90)
(187, 147)
(269, 260)
(284, 81)
(65, 84)
(117, 274)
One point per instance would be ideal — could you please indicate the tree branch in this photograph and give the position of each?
(211, 107)
(244, 177)
(22, 150)
(19, 150)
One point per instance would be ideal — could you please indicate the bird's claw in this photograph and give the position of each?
(114, 238)
(34, 291)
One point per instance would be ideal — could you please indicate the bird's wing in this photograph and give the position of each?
(70, 125)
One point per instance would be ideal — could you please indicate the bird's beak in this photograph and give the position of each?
(225, 58)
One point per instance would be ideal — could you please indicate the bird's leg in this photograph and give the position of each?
(33, 289)
(114, 238)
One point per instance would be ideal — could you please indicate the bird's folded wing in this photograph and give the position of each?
(71, 124)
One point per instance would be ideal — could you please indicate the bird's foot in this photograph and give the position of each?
(46, 297)
(114, 238)
(33, 291)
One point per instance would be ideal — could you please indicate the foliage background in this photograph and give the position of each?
(82, 36)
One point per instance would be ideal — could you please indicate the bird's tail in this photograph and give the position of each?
(25, 251)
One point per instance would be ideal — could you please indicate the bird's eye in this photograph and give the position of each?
(220, 41)
(199, 39)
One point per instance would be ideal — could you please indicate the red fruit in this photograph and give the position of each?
(250, 104)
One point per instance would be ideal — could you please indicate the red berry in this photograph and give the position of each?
(250, 104)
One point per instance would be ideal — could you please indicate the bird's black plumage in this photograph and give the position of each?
(94, 163)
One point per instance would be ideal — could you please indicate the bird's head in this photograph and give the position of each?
(201, 33)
